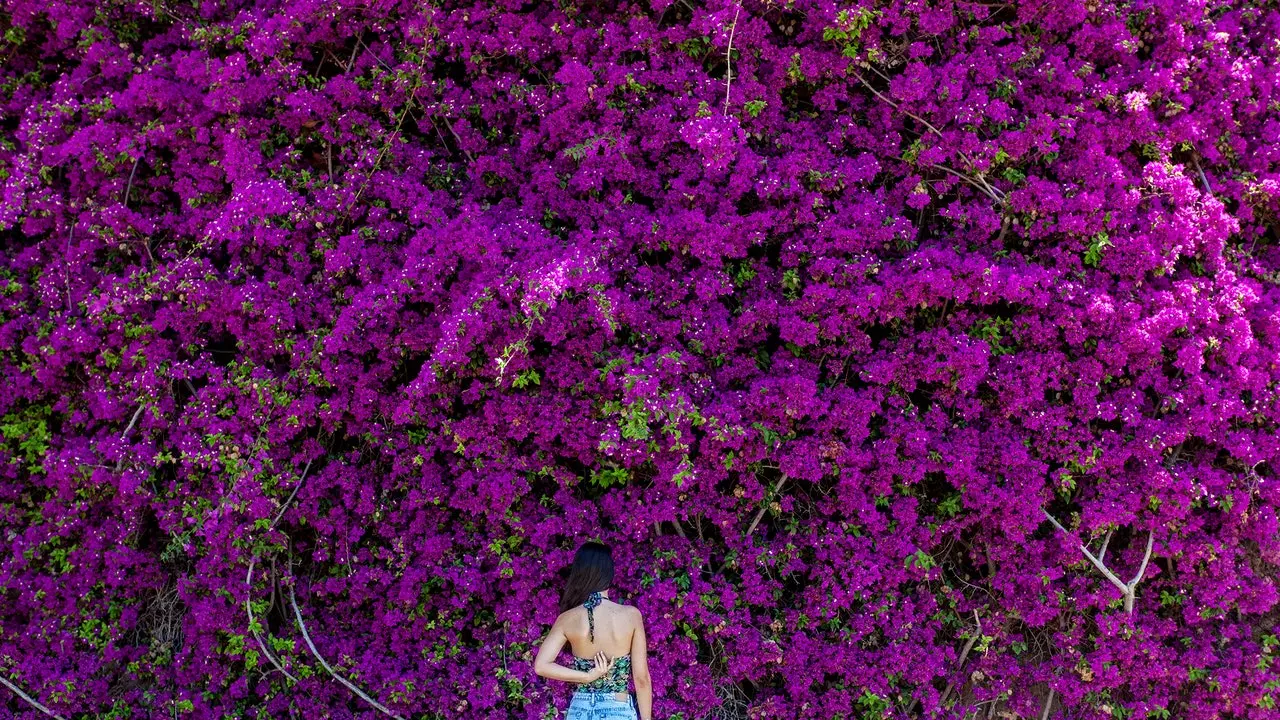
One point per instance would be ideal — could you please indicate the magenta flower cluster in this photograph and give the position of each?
(919, 358)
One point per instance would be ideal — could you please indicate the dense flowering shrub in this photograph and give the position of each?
(919, 358)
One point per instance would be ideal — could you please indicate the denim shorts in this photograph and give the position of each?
(600, 706)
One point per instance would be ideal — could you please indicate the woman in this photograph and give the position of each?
(607, 641)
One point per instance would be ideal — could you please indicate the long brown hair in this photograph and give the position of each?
(592, 571)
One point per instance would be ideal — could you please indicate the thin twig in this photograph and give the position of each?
(981, 183)
(133, 421)
(756, 521)
(1203, 178)
(248, 606)
(305, 636)
(1044, 714)
(1142, 570)
(129, 186)
(983, 186)
(963, 655)
(17, 691)
(359, 41)
(386, 146)
(455, 137)
(728, 59)
(297, 487)
(125, 435)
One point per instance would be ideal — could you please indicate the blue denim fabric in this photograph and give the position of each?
(600, 706)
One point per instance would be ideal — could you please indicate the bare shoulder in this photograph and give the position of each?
(567, 618)
(633, 614)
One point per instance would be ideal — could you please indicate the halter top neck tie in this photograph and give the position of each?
(593, 600)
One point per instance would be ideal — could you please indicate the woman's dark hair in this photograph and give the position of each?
(592, 571)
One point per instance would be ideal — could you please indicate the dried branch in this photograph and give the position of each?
(1044, 714)
(964, 654)
(248, 606)
(728, 59)
(1203, 178)
(980, 183)
(30, 701)
(133, 421)
(355, 51)
(1129, 589)
(125, 435)
(1102, 554)
(454, 133)
(756, 521)
(292, 495)
(1142, 570)
(129, 186)
(305, 636)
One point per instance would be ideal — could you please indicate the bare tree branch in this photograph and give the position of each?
(981, 183)
(964, 654)
(248, 606)
(133, 421)
(292, 495)
(1129, 589)
(1102, 554)
(128, 187)
(1044, 714)
(756, 521)
(30, 701)
(1106, 572)
(728, 59)
(1142, 570)
(125, 435)
(301, 625)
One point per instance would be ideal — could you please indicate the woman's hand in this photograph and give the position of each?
(602, 665)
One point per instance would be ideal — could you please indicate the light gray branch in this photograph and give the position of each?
(728, 59)
(125, 435)
(1129, 589)
(679, 528)
(248, 606)
(964, 654)
(296, 488)
(133, 421)
(756, 521)
(1044, 714)
(30, 701)
(301, 625)
(129, 186)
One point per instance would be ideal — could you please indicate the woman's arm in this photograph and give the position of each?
(545, 664)
(640, 669)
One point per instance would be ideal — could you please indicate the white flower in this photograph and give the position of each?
(1136, 101)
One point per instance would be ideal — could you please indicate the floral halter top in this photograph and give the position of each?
(614, 681)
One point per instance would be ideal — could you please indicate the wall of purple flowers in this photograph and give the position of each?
(918, 358)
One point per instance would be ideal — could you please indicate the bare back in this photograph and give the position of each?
(615, 627)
